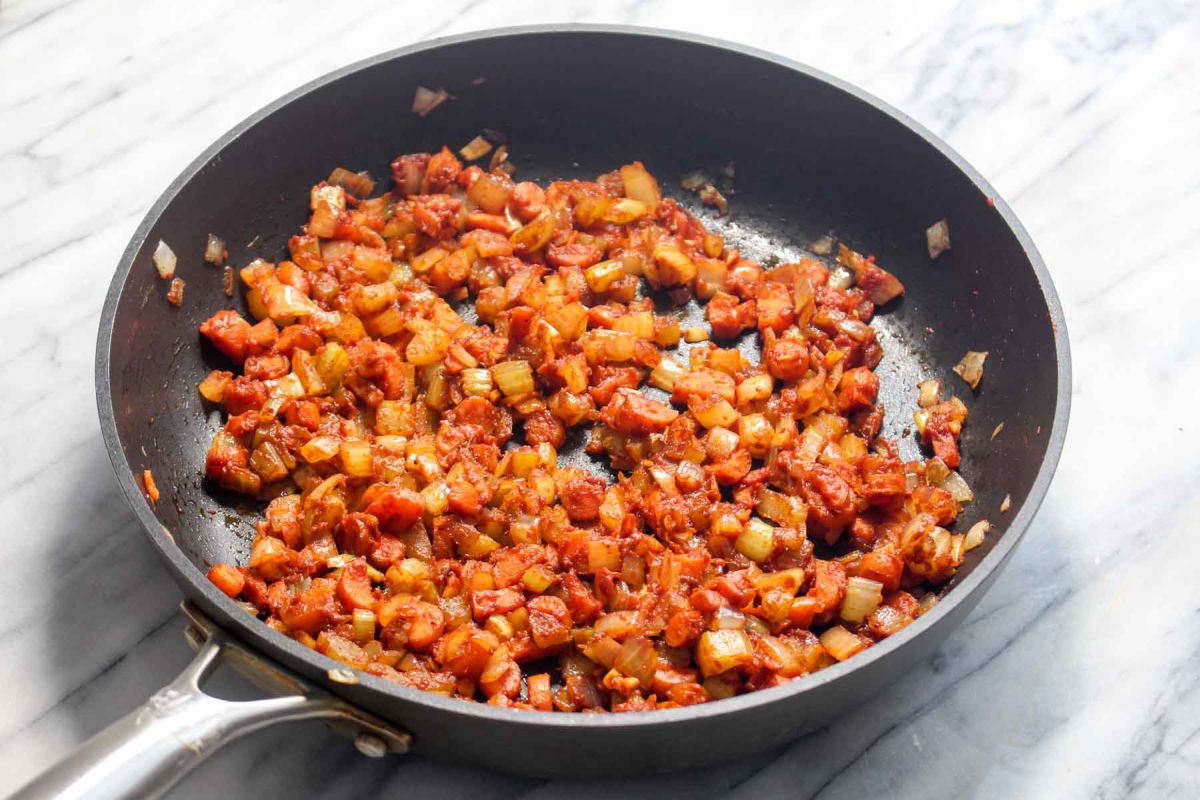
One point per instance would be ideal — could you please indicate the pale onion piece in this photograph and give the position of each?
(500, 626)
(364, 625)
(927, 602)
(709, 196)
(164, 260)
(996, 431)
(601, 276)
(721, 443)
(920, 418)
(840, 277)
(723, 650)
(639, 323)
(1006, 503)
(780, 508)
(756, 434)
(356, 458)
(666, 374)
(757, 541)
(538, 578)
(214, 250)
(756, 387)
(640, 185)
(284, 301)
(976, 534)
(212, 388)
(603, 555)
(475, 149)
(930, 393)
(970, 369)
(426, 100)
(288, 387)
(841, 643)
(328, 197)
(514, 378)
(863, 596)
(937, 238)
(359, 184)
(499, 158)
(477, 382)
(957, 487)
(719, 414)
(821, 246)
(637, 659)
(728, 619)
(437, 497)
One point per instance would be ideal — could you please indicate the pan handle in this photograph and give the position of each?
(147, 752)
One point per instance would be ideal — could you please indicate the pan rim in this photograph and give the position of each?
(252, 631)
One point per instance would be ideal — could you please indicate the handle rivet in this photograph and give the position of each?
(370, 745)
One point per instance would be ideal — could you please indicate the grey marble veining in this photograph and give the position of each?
(1077, 675)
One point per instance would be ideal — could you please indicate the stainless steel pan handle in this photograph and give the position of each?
(147, 752)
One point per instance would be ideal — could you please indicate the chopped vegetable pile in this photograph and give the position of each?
(419, 526)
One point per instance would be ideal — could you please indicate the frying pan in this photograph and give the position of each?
(812, 155)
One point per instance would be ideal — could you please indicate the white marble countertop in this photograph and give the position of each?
(1085, 116)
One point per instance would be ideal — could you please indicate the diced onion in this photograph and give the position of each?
(359, 184)
(666, 374)
(426, 100)
(601, 276)
(821, 246)
(538, 578)
(214, 250)
(757, 541)
(437, 497)
(840, 277)
(937, 238)
(475, 149)
(164, 260)
(976, 534)
(212, 388)
(603, 555)
(721, 443)
(996, 430)
(1006, 503)
(477, 382)
(514, 378)
(637, 659)
(639, 323)
(862, 597)
(722, 650)
(970, 368)
(364, 625)
(920, 418)
(695, 334)
(715, 414)
(957, 487)
(756, 387)
(841, 643)
(640, 185)
(356, 459)
(931, 391)
(927, 602)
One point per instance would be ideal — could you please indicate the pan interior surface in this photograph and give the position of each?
(810, 158)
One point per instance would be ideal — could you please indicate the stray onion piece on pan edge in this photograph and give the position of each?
(418, 524)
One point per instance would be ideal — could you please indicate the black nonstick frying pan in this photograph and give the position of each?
(812, 155)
